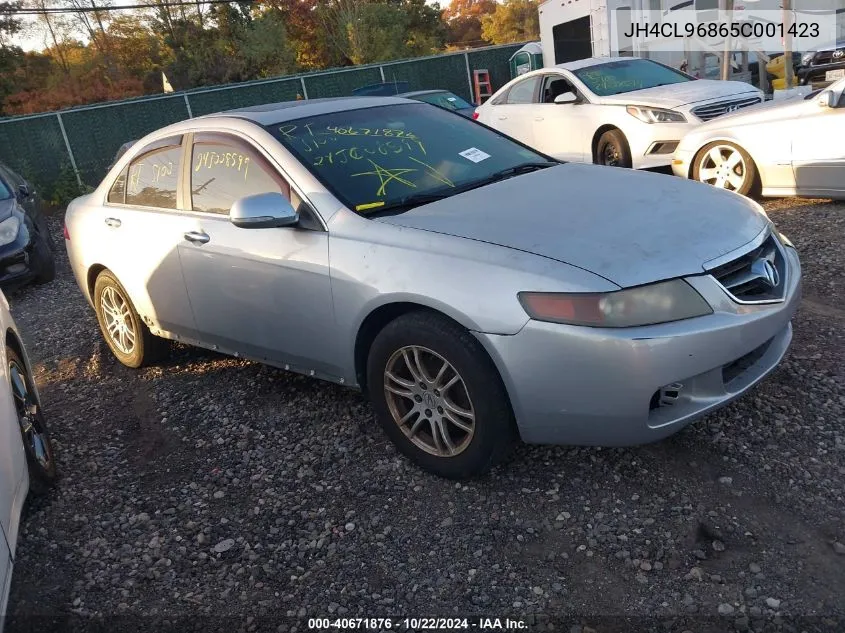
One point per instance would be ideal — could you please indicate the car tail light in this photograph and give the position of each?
(475, 116)
(64, 230)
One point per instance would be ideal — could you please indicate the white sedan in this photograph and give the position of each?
(620, 111)
(792, 147)
(26, 454)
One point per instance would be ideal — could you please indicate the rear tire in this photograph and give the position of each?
(612, 150)
(438, 396)
(727, 166)
(45, 263)
(128, 338)
(34, 433)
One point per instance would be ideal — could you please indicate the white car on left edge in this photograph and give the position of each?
(619, 111)
(26, 453)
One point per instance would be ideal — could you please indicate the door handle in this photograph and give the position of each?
(197, 237)
(113, 222)
(503, 118)
(538, 118)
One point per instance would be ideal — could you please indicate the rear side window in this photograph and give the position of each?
(153, 177)
(117, 193)
(224, 170)
(523, 92)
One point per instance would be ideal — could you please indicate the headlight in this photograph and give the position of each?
(647, 305)
(806, 58)
(9, 230)
(655, 115)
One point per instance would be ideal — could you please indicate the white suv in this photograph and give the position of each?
(621, 111)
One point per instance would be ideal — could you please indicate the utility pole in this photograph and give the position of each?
(787, 43)
(726, 56)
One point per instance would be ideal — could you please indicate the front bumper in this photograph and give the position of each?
(815, 75)
(652, 145)
(682, 162)
(16, 259)
(615, 387)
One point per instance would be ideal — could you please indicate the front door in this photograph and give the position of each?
(818, 152)
(514, 114)
(265, 293)
(12, 462)
(561, 129)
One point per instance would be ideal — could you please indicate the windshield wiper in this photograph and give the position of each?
(409, 202)
(502, 174)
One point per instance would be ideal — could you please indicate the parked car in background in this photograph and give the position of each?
(619, 111)
(26, 453)
(792, 147)
(26, 246)
(823, 65)
(474, 288)
(444, 99)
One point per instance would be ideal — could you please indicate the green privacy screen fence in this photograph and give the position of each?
(78, 144)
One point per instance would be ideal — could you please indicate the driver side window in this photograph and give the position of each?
(553, 86)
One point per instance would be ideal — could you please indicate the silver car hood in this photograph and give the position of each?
(629, 227)
(684, 93)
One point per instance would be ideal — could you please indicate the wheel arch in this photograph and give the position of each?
(380, 316)
(607, 127)
(91, 278)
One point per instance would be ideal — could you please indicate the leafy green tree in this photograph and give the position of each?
(512, 21)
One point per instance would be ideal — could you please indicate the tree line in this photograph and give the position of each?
(94, 53)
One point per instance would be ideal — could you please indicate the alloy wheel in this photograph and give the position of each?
(724, 167)
(117, 317)
(29, 417)
(429, 401)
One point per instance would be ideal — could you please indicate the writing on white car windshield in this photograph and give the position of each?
(627, 75)
(394, 157)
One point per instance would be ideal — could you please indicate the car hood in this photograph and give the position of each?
(781, 110)
(629, 227)
(677, 95)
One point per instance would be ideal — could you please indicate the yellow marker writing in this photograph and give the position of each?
(369, 205)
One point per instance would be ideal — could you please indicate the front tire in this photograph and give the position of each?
(612, 150)
(438, 396)
(128, 338)
(727, 166)
(45, 262)
(34, 433)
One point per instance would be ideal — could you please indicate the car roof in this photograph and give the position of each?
(419, 93)
(272, 113)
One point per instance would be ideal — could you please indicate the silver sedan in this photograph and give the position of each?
(782, 148)
(476, 290)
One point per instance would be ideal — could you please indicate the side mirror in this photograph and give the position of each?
(826, 99)
(263, 211)
(23, 191)
(566, 97)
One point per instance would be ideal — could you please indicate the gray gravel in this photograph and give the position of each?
(219, 487)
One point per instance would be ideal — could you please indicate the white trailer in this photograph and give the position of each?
(575, 29)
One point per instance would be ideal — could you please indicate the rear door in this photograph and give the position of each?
(265, 293)
(138, 230)
(512, 113)
(818, 161)
(12, 463)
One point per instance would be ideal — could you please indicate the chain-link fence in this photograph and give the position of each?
(73, 148)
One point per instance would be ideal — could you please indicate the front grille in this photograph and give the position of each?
(759, 276)
(712, 110)
(734, 370)
(822, 57)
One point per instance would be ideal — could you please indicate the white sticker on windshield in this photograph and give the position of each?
(474, 154)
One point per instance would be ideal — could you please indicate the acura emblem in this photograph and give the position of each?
(764, 269)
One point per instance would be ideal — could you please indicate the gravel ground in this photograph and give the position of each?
(212, 488)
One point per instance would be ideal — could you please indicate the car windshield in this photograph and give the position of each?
(397, 156)
(444, 100)
(613, 78)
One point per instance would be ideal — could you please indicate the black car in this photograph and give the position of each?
(443, 99)
(823, 65)
(26, 246)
